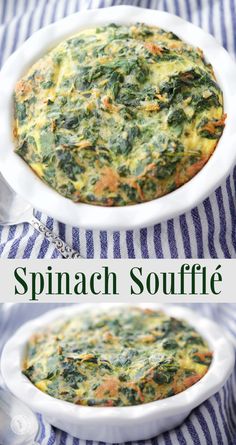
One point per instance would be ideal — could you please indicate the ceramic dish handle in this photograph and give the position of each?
(65, 250)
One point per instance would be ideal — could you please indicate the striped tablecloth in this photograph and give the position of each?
(207, 231)
(212, 423)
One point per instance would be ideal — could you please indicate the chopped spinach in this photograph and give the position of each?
(176, 117)
(47, 84)
(123, 98)
(68, 165)
(169, 343)
(20, 111)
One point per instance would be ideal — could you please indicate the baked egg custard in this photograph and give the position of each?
(118, 115)
(116, 357)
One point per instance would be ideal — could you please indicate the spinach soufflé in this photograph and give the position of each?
(118, 115)
(116, 357)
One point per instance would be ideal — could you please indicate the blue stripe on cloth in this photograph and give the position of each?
(116, 245)
(165, 6)
(143, 243)
(177, 10)
(226, 429)
(180, 437)
(167, 439)
(104, 245)
(30, 19)
(204, 427)
(157, 241)
(63, 438)
(1, 232)
(38, 214)
(30, 244)
(230, 403)
(3, 11)
(16, 242)
(232, 211)
(212, 413)
(172, 239)
(54, 10)
(10, 236)
(198, 232)
(3, 43)
(16, 35)
(89, 244)
(211, 227)
(56, 254)
(62, 231)
(52, 437)
(130, 244)
(14, 8)
(222, 22)
(185, 236)
(223, 227)
(199, 10)
(44, 248)
(234, 179)
(192, 431)
(189, 12)
(227, 410)
(211, 17)
(233, 18)
(42, 16)
(49, 223)
(42, 428)
(76, 239)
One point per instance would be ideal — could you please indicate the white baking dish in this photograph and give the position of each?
(118, 424)
(23, 179)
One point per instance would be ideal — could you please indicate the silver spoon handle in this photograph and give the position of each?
(65, 250)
